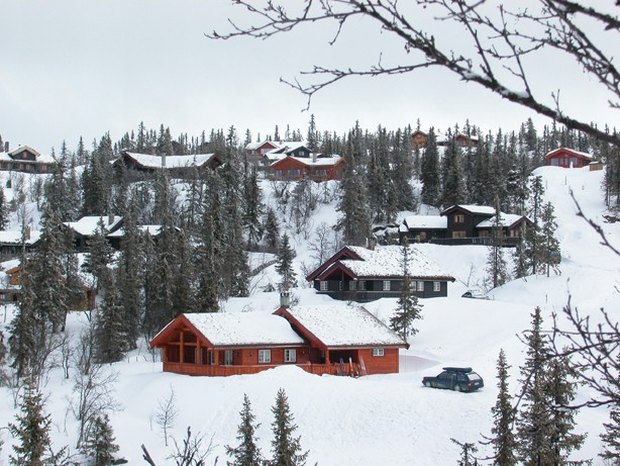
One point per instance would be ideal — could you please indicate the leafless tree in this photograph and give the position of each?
(93, 386)
(166, 415)
(497, 43)
(191, 451)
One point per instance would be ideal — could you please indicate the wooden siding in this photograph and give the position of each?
(340, 289)
(295, 170)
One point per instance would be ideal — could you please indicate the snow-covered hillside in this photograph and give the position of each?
(381, 419)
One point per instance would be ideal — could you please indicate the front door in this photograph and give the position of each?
(228, 358)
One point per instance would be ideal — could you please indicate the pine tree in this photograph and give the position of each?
(100, 445)
(611, 437)
(31, 430)
(430, 171)
(550, 246)
(272, 230)
(354, 221)
(253, 208)
(284, 266)
(246, 453)
(537, 191)
(497, 272)
(408, 309)
(453, 190)
(4, 214)
(110, 338)
(503, 441)
(285, 447)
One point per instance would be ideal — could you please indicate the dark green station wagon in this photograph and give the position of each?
(461, 379)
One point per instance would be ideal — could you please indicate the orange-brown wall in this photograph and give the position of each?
(386, 364)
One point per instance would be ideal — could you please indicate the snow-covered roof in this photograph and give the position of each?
(15, 237)
(315, 162)
(505, 220)
(87, 226)
(566, 149)
(151, 230)
(474, 209)
(8, 156)
(387, 261)
(426, 222)
(244, 328)
(172, 161)
(23, 148)
(337, 325)
(256, 145)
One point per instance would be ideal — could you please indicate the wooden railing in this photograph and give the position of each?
(223, 371)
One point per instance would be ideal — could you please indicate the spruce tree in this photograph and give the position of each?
(497, 273)
(430, 171)
(30, 430)
(453, 189)
(110, 338)
(550, 246)
(611, 437)
(99, 254)
(537, 191)
(4, 214)
(286, 448)
(503, 440)
(100, 446)
(408, 309)
(246, 453)
(253, 208)
(284, 266)
(272, 230)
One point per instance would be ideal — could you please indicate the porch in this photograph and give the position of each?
(344, 369)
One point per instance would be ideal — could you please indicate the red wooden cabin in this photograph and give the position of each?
(313, 168)
(221, 344)
(567, 158)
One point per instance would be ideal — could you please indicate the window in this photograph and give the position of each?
(378, 352)
(436, 286)
(458, 234)
(362, 285)
(264, 356)
(290, 355)
(324, 286)
(420, 286)
(228, 358)
(459, 218)
(386, 285)
(352, 285)
(294, 172)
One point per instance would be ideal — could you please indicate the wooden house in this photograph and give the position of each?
(595, 165)
(567, 158)
(13, 243)
(423, 228)
(293, 168)
(26, 159)
(141, 166)
(462, 219)
(511, 227)
(418, 139)
(115, 238)
(464, 140)
(320, 340)
(83, 230)
(359, 274)
(255, 152)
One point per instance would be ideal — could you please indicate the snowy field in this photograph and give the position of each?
(381, 419)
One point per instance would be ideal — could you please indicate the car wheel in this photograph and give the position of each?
(427, 384)
(458, 388)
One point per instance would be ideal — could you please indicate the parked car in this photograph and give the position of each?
(474, 294)
(461, 379)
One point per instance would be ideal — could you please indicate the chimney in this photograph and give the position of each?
(285, 299)
(110, 218)
(314, 157)
(6, 146)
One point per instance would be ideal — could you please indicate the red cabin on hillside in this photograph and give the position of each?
(338, 340)
(567, 158)
(313, 168)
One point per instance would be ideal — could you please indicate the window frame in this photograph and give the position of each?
(419, 286)
(261, 356)
(387, 285)
(378, 352)
(287, 355)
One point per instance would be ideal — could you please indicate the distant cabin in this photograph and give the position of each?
(83, 230)
(466, 224)
(359, 274)
(313, 168)
(26, 159)
(13, 243)
(567, 158)
(327, 339)
(255, 152)
(141, 166)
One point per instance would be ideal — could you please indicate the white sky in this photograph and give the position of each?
(83, 67)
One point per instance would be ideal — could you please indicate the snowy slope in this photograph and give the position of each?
(383, 419)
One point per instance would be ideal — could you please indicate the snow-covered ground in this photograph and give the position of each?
(381, 419)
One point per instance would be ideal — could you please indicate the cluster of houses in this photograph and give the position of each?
(341, 338)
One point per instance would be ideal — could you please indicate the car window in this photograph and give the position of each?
(474, 376)
(444, 375)
(461, 378)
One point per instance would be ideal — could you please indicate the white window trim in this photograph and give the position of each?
(436, 286)
(419, 285)
(264, 356)
(228, 357)
(290, 355)
(386, 285)
(324, 285)
(378, 352)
